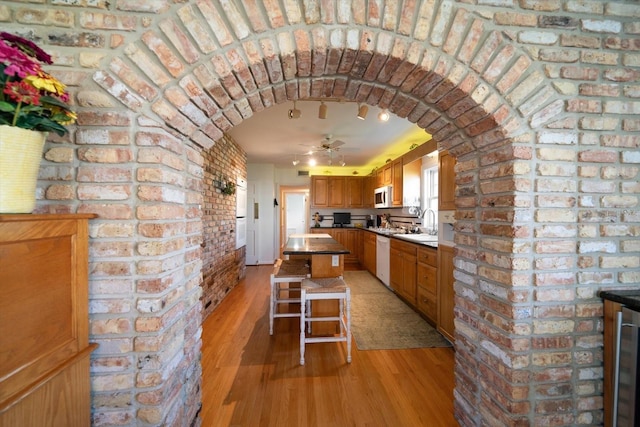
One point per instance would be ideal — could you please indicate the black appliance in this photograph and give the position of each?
(341, 219)
(371, 222)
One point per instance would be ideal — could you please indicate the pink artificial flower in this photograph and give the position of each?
(17, 62)
(26, 46)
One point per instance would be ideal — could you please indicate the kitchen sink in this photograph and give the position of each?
(418, 238)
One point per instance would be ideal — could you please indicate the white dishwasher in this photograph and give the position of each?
(383, 249)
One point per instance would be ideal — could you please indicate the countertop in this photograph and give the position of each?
(314, 246)
(419, 239)
(629, 298)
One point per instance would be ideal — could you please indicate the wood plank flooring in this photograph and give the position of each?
(253, 379)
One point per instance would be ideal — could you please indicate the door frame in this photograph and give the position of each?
(284, 190)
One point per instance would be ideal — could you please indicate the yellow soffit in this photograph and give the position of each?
(402, 145)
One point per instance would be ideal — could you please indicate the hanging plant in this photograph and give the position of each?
(229, 188)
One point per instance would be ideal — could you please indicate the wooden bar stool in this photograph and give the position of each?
(285, 272)
(331, 288)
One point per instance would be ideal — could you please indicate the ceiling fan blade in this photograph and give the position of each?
(337, 143)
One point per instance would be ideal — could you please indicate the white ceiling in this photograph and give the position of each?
(272, 137)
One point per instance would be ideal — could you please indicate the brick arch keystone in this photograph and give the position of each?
(205, 68)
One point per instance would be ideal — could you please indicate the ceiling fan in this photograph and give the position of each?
(327, 146)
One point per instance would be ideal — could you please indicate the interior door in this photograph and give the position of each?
(295, 218)
(294, 212)
(252, 224)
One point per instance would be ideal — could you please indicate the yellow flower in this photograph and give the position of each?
(47, 83)
(71, 118)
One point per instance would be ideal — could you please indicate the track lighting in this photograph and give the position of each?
(295, 160)
(322, 111)
(312, 162)
(294, 113)
(342, 162)
(383, 116)
(362, 112)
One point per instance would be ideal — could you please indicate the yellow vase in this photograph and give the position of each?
(20, 155)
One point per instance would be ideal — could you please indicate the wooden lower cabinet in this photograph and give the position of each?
(446, 293)
(44, 321)
(403, 258)
(347, 237)
(369, 249)
(427, 298)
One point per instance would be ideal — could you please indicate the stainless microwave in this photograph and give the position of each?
(382, 197)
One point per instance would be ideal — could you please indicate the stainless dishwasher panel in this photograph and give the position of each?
(626, 396)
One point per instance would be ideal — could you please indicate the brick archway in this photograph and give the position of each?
(204, 69)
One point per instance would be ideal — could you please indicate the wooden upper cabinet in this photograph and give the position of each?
(396, 174)
(327, 191)
(354, 186)
(320, 191)
(447, 182)
(387, 174)
(379, 178)
(384, 175)
(336, 192)
(369, 186)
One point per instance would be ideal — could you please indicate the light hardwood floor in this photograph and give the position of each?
(253, 379)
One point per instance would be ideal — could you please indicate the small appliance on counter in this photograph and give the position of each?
(371, 222)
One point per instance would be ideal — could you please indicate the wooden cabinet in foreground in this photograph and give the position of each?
(427, 297)
(446, 294)
(369, 249)
(403, 258)
(44, 324)
(447, 182)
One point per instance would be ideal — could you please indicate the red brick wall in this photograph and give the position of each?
(223, 266)
(538, 100)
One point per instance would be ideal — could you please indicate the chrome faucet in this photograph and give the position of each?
(434, 225)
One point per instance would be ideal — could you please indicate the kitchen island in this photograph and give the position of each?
(325, 254)
(326, 257)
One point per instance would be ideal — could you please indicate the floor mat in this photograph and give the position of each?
(380, 320)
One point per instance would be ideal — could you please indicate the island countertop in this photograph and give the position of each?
(313, 246)
(629, 298)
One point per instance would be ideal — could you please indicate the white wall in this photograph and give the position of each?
(289, 176)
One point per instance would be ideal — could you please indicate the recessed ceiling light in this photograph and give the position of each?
(383, 116)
